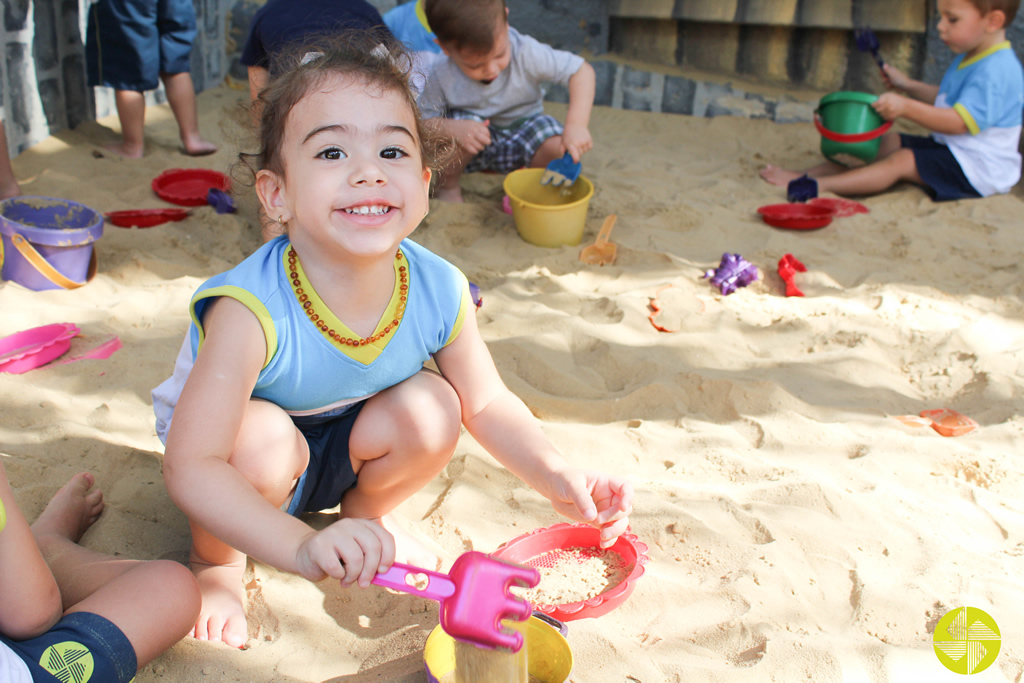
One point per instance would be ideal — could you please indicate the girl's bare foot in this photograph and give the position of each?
(222, 617)
(778, 176)
(72, 510)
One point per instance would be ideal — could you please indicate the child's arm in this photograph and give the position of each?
(576, 139)
(941, 120)
(30, 600)
(471, 135)
(215, 495)
(919, 90)
(504, 426)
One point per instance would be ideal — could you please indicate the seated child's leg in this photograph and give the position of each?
(875, 177)
(153, 604)
(271, 454)
(550, 150)
(402, 439)
(782, 177)
(448, 188)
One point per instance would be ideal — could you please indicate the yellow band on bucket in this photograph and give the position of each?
(41, 264)
(3, 515)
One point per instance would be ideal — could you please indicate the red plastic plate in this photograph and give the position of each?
(189, 186)
(529, 548)
(796, 216)
(841, 208)
(145, 218)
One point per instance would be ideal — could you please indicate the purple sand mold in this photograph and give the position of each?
(732, 273)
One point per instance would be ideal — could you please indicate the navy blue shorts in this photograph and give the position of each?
(329, 473)
(82, 647)
(129, 43)
(943, 178)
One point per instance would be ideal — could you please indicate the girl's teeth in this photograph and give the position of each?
(368, 210)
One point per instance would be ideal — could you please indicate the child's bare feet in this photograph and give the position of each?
(450, 195)
(222, 617)
(198, 147)
(72, 510)
(123, 149)
(778, 176)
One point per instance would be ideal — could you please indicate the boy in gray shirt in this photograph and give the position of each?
(488, 96)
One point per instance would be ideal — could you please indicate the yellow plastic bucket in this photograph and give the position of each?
(547, 651)
(548, 216)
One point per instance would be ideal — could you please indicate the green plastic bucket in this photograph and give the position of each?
(850, 126)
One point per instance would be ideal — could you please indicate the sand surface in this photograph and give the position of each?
(797, 529)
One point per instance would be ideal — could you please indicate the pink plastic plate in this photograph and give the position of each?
(537, 548)
(30, 349)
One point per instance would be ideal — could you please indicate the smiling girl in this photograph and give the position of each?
(302, 384)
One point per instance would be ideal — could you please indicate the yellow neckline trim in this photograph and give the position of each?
(421, 14)
(1005, 45)
(367, 353)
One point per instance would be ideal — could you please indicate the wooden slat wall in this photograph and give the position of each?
(907, 16)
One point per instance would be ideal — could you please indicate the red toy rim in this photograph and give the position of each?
(849, 138)
(189, 186)
(530, 545)
(145, 218)
(796, 216)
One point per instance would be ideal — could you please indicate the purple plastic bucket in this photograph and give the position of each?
(62, 231)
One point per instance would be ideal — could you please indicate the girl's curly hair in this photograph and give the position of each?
(374, 57)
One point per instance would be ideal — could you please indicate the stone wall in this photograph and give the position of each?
(699, 57)
(43, 74)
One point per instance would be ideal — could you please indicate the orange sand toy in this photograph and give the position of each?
(949, 422)
(945, 421)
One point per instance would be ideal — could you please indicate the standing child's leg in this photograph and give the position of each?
(131, 111)
(8, 183)
(153, 603)
(181, 95)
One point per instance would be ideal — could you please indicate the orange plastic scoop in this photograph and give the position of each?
(949, 422)
(601, 251)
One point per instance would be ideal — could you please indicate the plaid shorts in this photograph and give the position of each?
(512, 147)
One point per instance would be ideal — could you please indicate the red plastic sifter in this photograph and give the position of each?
(474, 596)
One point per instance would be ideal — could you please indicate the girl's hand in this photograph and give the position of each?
(895, 79)
(576, 141)
(890, 106)
(595, 498)
(351, 550)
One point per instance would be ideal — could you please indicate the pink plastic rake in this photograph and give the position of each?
(474, 597)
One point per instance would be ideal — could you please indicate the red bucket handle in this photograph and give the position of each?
(851, 137)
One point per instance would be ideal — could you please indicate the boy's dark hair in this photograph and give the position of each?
(374, 57)
(1007, 7)
(465, 25)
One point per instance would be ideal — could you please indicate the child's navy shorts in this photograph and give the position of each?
(943, 178)
(82, 647)
(129, 43)
(329, 473)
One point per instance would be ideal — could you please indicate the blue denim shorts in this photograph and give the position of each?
(81, 648)
(329, 473)
(129, 43)
(943, 177)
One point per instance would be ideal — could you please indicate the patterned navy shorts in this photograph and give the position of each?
(513, 147)
(81, 648)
